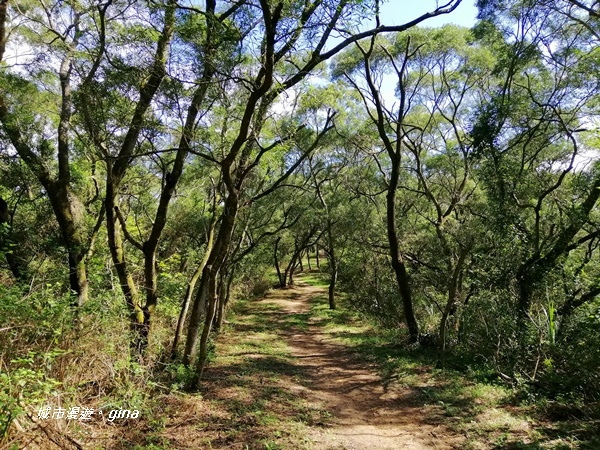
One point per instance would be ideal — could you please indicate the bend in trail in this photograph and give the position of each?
(367, 412)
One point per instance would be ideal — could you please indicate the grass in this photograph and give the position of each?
(246, 400)
(243, 403)
(245, 395)
(314, 278)
(488, 414)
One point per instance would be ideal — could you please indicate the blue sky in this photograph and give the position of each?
(396, 12)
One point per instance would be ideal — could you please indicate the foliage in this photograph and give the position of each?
(160, 161)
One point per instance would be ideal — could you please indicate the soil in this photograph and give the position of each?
(367, 411)
(281, 380)
(283, 376)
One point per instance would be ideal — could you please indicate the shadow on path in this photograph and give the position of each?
(367, 412)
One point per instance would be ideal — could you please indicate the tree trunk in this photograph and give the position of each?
(116, 168)
(332, 283)
(280, 278)
(150, 280)
(454, 294)
(196, 314)
(63, 206)
(210, 314)
(524, 303)
(288, 275)
(6, 243)
(3, 15)
(78, 277)
(190, 288)
(572, 304)
(394, 151)
(289, 271)
(62, 200)
(221, 300)
(215, 260)
(333, 264)
(397, 262)
(459, 324)
(535, 269)
(61, 197)
(223, 311)
(151, 245)
(128, 287)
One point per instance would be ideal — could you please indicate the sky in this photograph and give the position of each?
(397, 12)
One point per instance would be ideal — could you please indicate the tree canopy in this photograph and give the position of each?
(163, 158)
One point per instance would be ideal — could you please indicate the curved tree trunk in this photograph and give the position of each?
(115, 173)
(397, 261)
(289, 271)
(288, 275)
(115, 244)
(394, 151)
(63, 201)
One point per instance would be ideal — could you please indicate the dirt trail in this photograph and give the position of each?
(367, 412)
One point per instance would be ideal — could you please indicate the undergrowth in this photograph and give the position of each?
(51, 357)
(474, 400)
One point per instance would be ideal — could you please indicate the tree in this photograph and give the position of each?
(387, 123)
(6, 241)
(447, 77)
(26, 97)
(531, 165)
(283, 29)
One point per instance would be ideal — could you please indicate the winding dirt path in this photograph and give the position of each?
(367, 412)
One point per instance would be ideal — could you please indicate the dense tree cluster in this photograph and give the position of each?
(158, 155)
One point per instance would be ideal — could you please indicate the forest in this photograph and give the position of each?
(166, 164)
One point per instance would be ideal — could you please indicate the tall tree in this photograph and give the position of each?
(36, 108)
(531, 165)
(285, 30)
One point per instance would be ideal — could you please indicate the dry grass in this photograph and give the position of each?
(264, 387)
